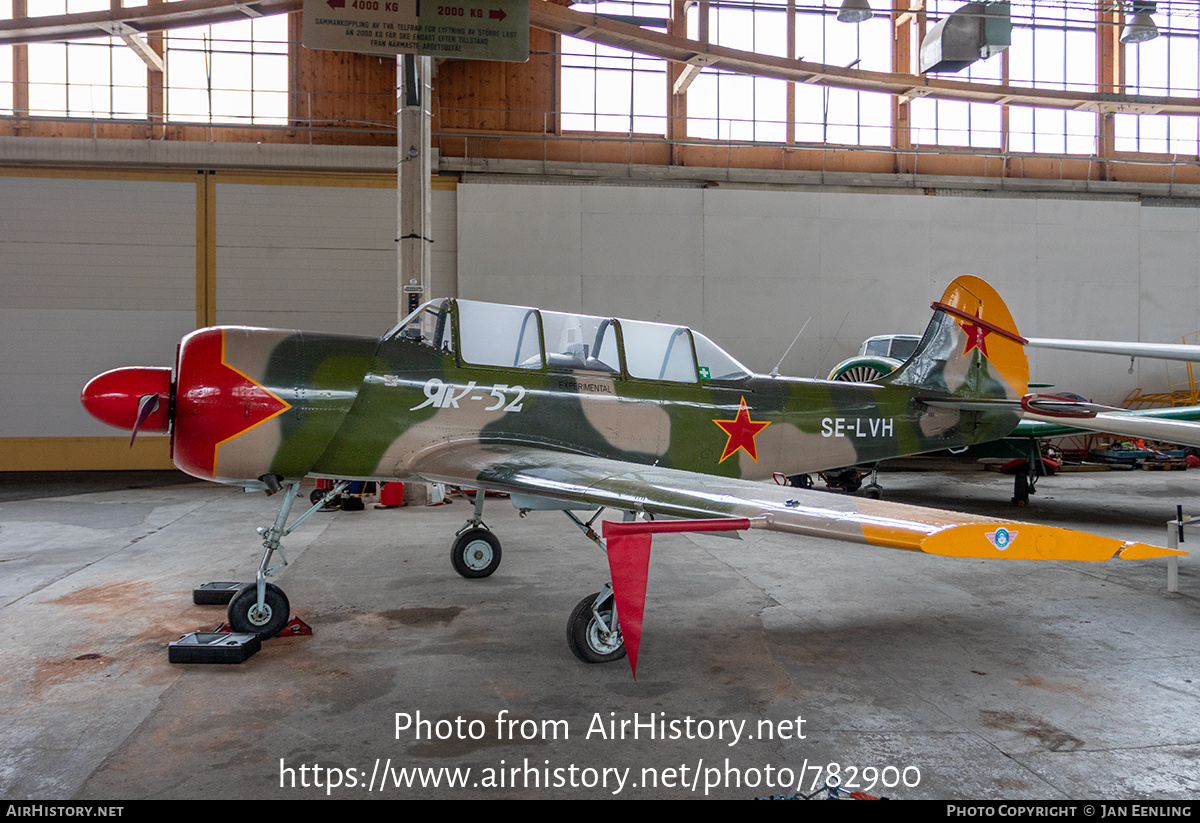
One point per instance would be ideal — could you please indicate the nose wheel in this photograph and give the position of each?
(265, 619)
(260, 607)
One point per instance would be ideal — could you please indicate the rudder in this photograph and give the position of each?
(971, 349)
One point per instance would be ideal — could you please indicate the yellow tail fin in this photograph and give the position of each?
(971, 348)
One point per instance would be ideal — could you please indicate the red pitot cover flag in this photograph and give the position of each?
(629, 567)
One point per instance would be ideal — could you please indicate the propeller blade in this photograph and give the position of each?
(147, 406)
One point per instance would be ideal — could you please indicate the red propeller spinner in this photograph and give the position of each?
(134, 398)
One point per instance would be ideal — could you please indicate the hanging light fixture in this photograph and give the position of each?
(854, 11)
(1139, 27)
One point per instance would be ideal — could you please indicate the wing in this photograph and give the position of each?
(1158, 351)
(739, 504)
(587, 480)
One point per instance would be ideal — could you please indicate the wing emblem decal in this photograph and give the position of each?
(1001, 538)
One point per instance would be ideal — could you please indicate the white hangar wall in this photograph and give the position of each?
(106, 269)
(748, 267)
(100, 269)
(84, 287)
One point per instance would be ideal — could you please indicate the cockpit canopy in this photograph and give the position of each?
(490, 334)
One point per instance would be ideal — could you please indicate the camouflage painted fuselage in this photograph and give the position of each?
(256, 402)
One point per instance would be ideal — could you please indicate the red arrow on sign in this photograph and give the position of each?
(494, 14)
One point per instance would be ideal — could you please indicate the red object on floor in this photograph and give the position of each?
(392, 494)
(295, 628)
(1049, 465)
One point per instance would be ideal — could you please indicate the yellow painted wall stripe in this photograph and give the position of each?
(84, 453)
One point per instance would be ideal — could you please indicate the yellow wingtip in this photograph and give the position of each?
(1026, 541)
(1144, 551)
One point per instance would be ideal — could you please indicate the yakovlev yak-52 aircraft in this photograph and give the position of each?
(569, 411)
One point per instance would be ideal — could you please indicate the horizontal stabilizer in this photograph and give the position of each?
(1053, 406)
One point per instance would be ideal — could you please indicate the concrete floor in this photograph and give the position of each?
(993, 679)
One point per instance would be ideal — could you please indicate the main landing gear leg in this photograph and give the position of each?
(593, 630)
(1025, 481)
(476, 551)
(260, 607)
(873, 490)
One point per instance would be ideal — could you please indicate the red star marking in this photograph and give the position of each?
(976, 337)
(742, 431)
(218, 403)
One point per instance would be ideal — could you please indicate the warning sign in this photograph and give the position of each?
(466, 29)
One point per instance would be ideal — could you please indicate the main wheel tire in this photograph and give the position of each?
(587, 640)
(873, 491)
(475, 554)
(244, 614)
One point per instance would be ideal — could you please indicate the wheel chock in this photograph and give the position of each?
(295, 628)
(213, 647)
(215, 594)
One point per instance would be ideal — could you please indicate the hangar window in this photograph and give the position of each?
(1164, 66)
(97, 77)
(6, 65)
(726, 106)
(229, 72)
(956, 122)
(225, 73)
(829, 115)
(607, 89)
(1053, 47)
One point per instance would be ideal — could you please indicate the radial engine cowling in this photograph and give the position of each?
(223, 397)
(253, 403)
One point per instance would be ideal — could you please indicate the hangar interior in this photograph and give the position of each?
(225, 174)
(135, 202)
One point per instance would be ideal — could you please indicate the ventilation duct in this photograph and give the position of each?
(973, 32)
